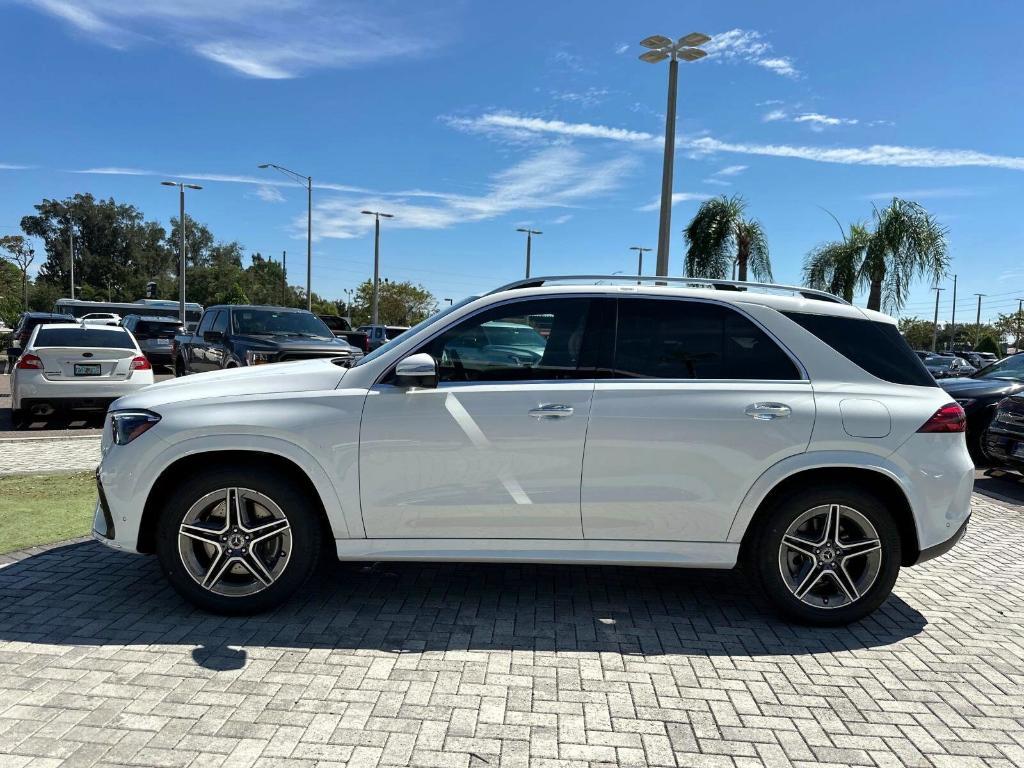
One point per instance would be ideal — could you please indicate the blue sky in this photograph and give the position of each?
(468, 119)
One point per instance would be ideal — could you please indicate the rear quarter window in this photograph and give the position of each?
(876, 347)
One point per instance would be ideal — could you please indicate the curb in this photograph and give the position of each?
(10, 558)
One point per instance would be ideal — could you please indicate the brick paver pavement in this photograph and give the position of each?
(48, 454)
(478, 665)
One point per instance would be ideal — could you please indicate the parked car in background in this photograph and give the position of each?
(648, 425)
(155, 336)
(342, 328)
(100, 318)
(979, 359)
(1004, 438)
(380, 335)
(234, 336)
(75, 367)
(948, 366)
(980, 394)
(23, 330)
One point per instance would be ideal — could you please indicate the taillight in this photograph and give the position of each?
(366, 343)
(949, 418)
(29, 362)
(140, 363)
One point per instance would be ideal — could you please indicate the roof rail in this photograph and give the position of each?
(696, 282)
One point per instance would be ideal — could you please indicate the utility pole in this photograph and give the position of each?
(1020, 312)
(529, 242)
(640, 260)
(977, 322)
(376, 262)
(284, 278)
(935, 323)
(952, 322)
(181, 255)
(71, 252)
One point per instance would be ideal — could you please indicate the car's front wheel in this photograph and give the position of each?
(826, 556)
(238, 541)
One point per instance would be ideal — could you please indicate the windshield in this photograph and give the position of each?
(262, 322)
(415, 329)
(1008, 368)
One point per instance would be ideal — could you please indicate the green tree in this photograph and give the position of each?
(10, 293)
(905, 243)
(16, 250)
(917, 332)
(1011, 326)
(399, 304)
(988, 343)
(718, 234)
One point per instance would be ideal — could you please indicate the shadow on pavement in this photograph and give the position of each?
(1000, 484)
(86, 594)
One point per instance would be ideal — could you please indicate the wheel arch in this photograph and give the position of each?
(255, 461)
(881, 483)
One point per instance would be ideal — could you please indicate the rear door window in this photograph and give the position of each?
(876, 347)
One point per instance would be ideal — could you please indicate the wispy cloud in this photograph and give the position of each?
(774, 115)
(269, 194)
(226, 178)
(731, 170)
(922, 194)
(875, 154)
(14, 167)
(677, 197)
(563, 219)
(622, 48)
(818, 121)
(750, 46)
(260, 38)
(553, 177)
(590, 97)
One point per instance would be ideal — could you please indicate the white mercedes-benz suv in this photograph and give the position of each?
(559, 420)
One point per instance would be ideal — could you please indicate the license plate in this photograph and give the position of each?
(162, 342)
(1018, 450)
(87, 369)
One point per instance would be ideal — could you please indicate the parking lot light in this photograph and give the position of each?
(376, 261)
(181, 254)
(308, 181)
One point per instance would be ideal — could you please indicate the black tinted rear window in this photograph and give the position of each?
(79, 337)
(876, 347)
(149, 329)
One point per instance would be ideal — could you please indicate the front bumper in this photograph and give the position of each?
(1004, 448)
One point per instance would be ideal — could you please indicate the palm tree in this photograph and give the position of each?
(718, 235)
(906, 243)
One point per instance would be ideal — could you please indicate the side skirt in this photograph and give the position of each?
(594, 551)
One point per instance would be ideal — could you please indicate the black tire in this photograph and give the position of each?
(764, 561)
(306, 544)
(18, 418)
(179, 368)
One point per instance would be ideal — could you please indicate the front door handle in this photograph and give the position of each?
(551, 411)
(768, 411)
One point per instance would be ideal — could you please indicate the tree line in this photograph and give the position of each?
(117, 252)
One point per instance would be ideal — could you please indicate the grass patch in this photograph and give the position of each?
(42, 509)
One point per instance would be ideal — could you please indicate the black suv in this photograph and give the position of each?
(155, 336)
(231, 336)
(24, 327)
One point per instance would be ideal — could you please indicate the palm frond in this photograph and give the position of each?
(710, 238)
(755, 243)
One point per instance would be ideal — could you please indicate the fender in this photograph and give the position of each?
(340, 518)
(818, 460)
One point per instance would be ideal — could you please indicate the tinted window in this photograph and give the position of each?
(667, 339)
(154, 329)
(876, 347)
(206, 323)
(79, 337)
(1010, 368)
(467, 352)
(393, 332)
(266, 322)
(221, 323)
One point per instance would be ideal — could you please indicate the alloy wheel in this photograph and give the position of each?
(235, 542)
(830, 556)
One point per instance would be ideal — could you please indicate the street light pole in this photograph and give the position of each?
(1020, 312)
(640, 260)
(71, 253)
(935, 323)
(664, 48)
(308, 181)
(977, 322)
(529, 242)
(952, 322)
(376, 262)
(181, 248)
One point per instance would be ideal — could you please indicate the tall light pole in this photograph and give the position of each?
(640, 260)
(308, 181)
(529, 242)
(1020, 317)
(663, 48)
(181, 254)
(935, 323)
(450, 301)
(376, 261)
(71, 253)
(952, 322)
(977, 322)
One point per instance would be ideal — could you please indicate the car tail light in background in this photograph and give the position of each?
(29, 362)
(949, 418)
(140, 363)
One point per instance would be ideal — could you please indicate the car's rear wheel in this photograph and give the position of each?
(826, 556)
(19, 418)
(236, 541)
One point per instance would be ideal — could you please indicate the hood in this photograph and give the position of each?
(981, 387)
(296, 343)
(305, 375)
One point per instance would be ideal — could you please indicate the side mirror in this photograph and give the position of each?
(212, 336)
(417, 371)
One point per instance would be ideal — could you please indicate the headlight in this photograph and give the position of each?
(258, 358)
(125, 426)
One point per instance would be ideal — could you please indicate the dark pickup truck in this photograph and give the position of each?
(231, 336)
(343, 329)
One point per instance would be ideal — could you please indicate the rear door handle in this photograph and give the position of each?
(551, 411)
(768, 411)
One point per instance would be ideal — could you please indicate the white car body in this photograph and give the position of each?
(644, 472)
(56, 384)
(101, 318)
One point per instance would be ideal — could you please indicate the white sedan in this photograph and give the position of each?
(75, 367)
